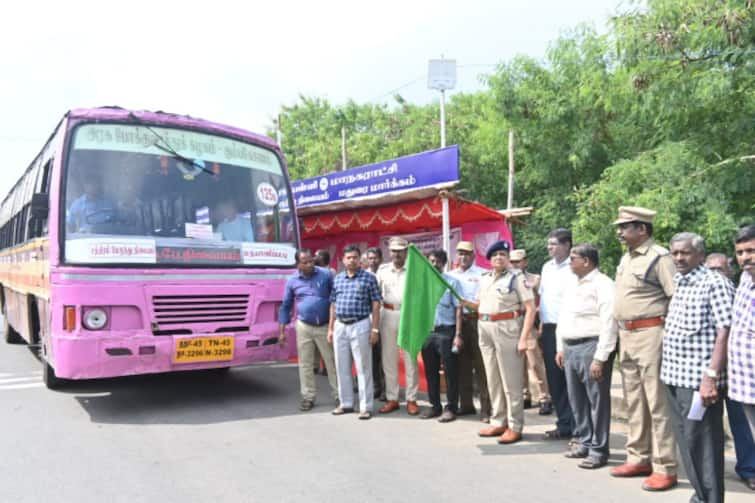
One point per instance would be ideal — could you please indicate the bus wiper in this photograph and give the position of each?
(165, 147)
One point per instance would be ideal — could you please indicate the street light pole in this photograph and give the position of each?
(441, 75)
(442, 118)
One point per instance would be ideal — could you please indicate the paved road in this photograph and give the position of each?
(199, 437)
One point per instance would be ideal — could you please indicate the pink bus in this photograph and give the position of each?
(141, 242)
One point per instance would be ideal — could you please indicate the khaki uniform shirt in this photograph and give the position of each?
(391, 282)
(506, 292)
(644, 283)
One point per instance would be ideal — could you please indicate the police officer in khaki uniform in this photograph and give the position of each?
(534, 371)
(391, 278)
(506, 310)
(644, 285)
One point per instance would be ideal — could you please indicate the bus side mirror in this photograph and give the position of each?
(40, 206)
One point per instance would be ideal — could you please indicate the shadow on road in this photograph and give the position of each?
(194, 397)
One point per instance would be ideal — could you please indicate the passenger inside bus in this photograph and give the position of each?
(130, 213)
(232, 226)
(91, 212)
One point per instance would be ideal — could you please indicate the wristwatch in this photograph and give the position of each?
(375, 330)
(711, 373)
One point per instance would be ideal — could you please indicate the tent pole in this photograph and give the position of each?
(446, 226)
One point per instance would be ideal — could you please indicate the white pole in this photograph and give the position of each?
(510, 194)
(343, 147)
(446, 226)
(442, 118)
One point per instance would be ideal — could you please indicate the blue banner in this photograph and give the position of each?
(427, 169)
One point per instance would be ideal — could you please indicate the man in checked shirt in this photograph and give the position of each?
(694, 359)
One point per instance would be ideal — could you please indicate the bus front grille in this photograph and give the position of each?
(172, 310)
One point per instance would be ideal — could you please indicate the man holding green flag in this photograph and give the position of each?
(425, 287)
(443, 346)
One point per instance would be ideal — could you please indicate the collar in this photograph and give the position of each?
(693, 276)
(559, 265)
(315, 272)
(589, 276)
(643, 248)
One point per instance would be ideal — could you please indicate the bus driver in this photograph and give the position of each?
(91, 210)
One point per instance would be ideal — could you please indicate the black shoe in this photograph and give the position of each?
(306, 405)
(466, 411)
(546, 409)
(431, 413)
(527, 403)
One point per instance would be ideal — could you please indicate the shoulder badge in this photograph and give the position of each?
(660, 250)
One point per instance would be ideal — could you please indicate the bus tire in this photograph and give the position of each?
(50, 379)
(219, 371)
(11, 336)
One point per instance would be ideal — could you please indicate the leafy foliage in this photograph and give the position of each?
(657, 112)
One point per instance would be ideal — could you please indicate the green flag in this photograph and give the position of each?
(422, 291)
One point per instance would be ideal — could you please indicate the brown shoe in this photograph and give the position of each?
(510, 437)
(631, 470)
(411, 407)
(389, 406)
(492, 431)
(659, 482)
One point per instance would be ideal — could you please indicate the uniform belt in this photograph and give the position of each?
(643, 323)
(392, 307)
(470, 316)
(508, 315)
(351, 321)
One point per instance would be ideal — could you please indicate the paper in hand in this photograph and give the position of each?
(697, 409)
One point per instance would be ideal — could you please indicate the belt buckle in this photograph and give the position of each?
(484, 317)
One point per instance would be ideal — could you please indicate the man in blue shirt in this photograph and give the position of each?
(352, 331)
(91, 212)
(443, 345)
(310, 287)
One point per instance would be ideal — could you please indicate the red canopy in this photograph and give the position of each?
(406, 217)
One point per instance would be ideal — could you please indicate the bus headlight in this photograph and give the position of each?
(95, 319)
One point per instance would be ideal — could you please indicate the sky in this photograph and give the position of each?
(239, 62)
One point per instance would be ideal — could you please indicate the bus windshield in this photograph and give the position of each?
(138, 194)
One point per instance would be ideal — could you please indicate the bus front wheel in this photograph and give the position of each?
(11, 336)
(50, 379)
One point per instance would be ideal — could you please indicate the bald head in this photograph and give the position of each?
(720, 263)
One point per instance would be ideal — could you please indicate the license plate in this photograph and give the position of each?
(203, 349)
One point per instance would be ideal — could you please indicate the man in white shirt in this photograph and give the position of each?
(471, 366)
(555, 279)
(586, 339)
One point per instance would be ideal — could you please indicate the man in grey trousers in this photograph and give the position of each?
(586, 335)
